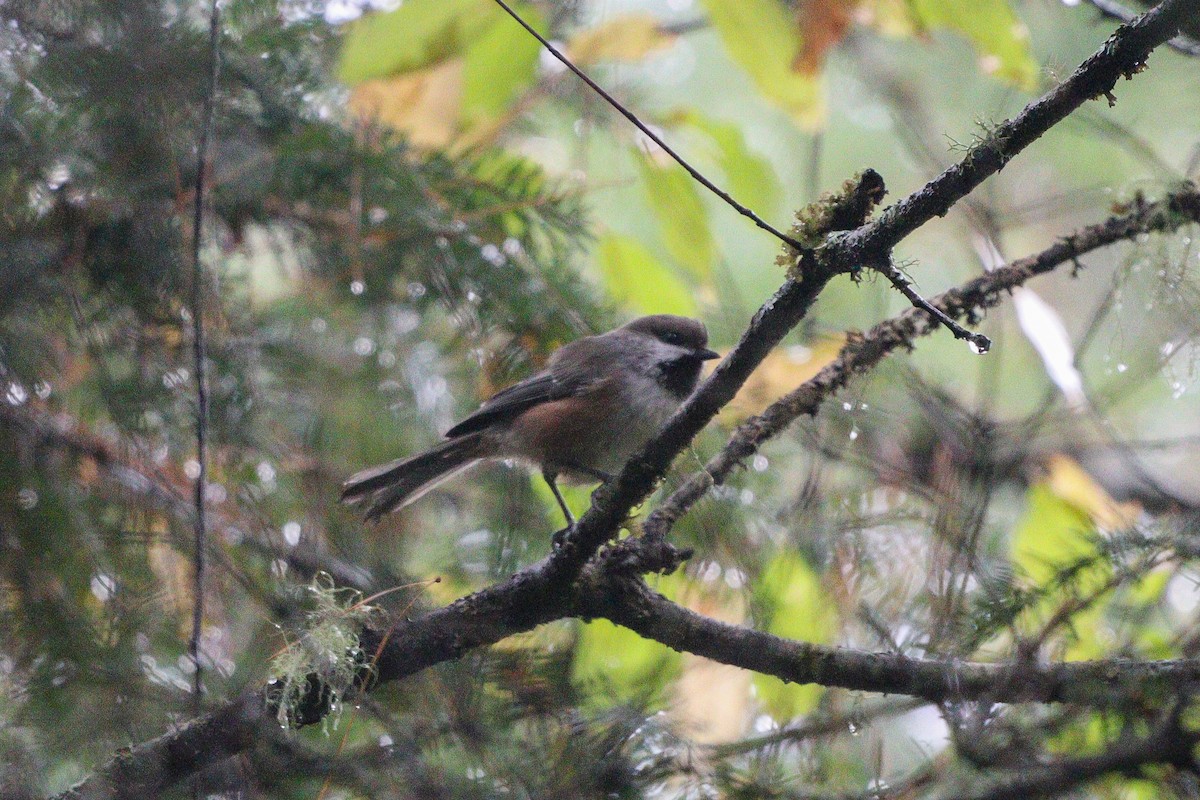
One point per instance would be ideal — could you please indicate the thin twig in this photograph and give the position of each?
(903, 285)
(654, 137)
(198, 347)
(857, 716)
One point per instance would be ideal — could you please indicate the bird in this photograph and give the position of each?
(597, 402)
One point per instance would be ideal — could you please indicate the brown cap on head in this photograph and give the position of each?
(679, 331)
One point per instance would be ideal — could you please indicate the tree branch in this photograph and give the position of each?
(631, 603)
(903, 285)
(863, 352)
(613, 501)
(826, 725)
(149, 769)
(1114, 10)
(199, 356)
(1168, 743)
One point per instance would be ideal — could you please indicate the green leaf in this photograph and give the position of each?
(1052, 534)
(749, 177)
(499, 65)
(682, 219)
(499, 59)
(799, 608)
(760, 36)
(634, 277)
(993, 28)
(1086, 736)
(415, 35)
(632, 667)
(1149, 589)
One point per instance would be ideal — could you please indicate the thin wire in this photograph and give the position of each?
(641, 126)
(199, 346)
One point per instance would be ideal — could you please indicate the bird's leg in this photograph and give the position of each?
(551, 477)
(599, 475)
(596, 474)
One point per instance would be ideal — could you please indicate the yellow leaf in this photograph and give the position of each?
(762, 39)
(750, 177)
(992, 26)
(418, 34)
(622, 664)
(424, 104)
(498, 66)
(682, 218)
(781, 372)
(627, 37)
(437, 69)
(1071, 483)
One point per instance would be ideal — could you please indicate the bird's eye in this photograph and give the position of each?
(671, 337)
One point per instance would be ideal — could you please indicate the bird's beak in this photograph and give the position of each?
(707, 355)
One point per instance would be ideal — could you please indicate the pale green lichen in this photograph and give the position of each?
(816, 220)
(326, 648)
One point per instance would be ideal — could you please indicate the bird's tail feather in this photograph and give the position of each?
(398, 483)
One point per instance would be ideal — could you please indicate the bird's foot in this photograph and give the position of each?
(556, 541)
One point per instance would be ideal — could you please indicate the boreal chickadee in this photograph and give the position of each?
(599, 400)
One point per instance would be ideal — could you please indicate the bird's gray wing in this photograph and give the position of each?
(518, 398)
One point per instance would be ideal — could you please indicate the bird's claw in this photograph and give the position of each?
(556, 541)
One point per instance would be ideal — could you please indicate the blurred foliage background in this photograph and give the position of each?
(413, 206)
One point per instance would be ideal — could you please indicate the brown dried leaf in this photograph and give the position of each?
(822, 25)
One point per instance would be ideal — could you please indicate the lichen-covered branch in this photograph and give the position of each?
(1186, 44)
